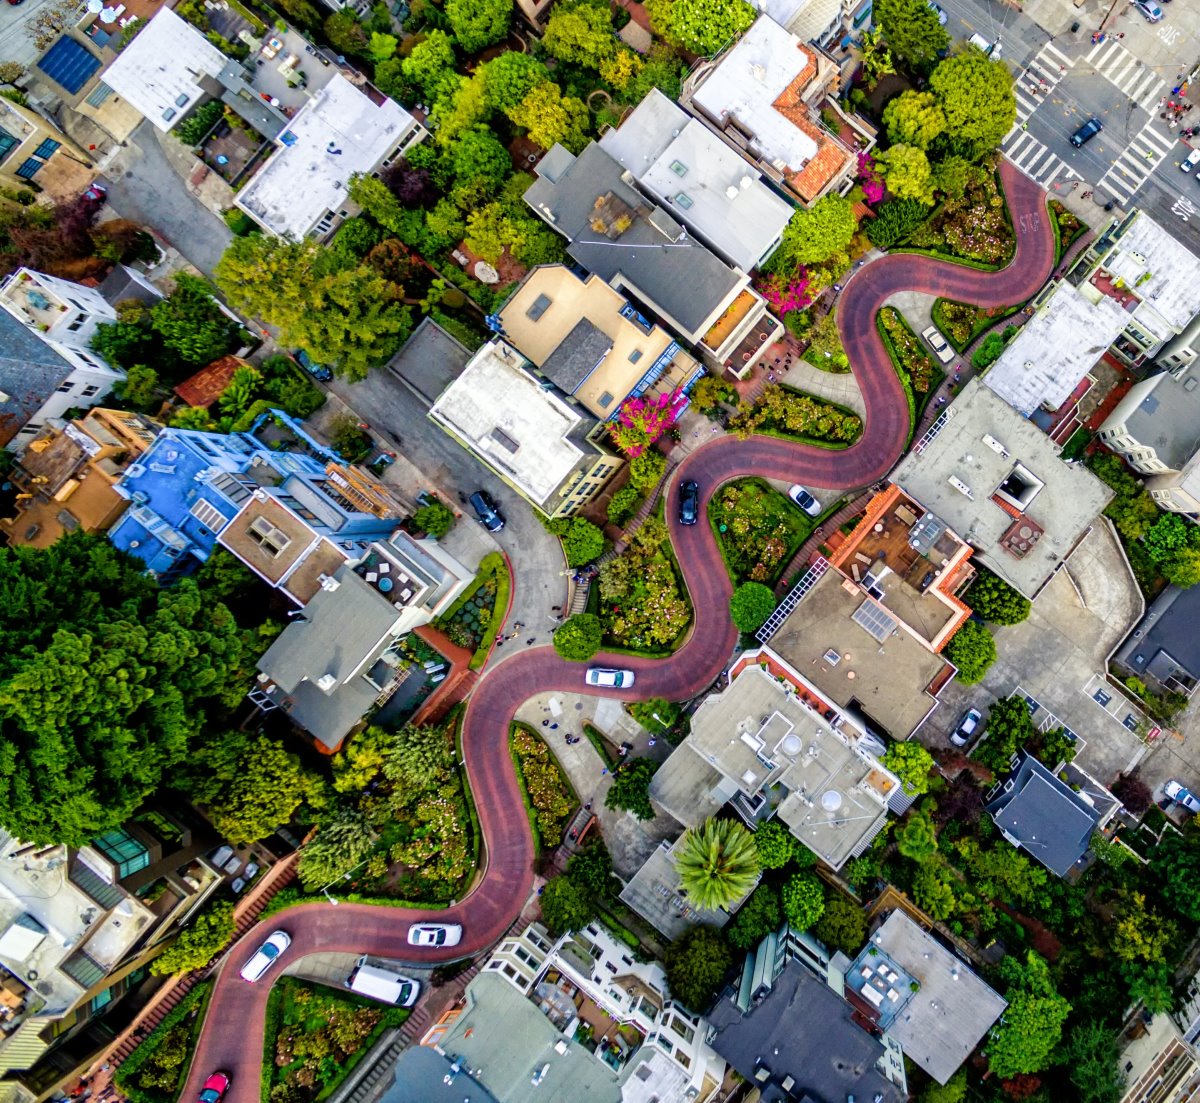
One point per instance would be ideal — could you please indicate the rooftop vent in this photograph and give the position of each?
(731, 192)
(327, 683)
(1020, 487)
(995, 445)
(961, 487)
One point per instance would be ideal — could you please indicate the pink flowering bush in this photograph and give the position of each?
(872, 181)
(642, 421)
(786, 293)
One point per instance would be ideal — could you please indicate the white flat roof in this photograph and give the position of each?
(1162, 273)
(1055, 349)
(747, 82)
(699, 179)
(159, 72)
(502, 413)
(339, 132)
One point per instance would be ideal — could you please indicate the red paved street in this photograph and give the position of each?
(232, 1036)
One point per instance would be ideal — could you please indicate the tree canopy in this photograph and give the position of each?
(914, 119)
(580, 33)
(717, 863)
(842, 925)
(973, 650)
(630, 789)
(776, 844)
(976, 94)
(803, 900)
(696, 965)
(816, 234)
(511, 76)
(995, 600)
(912, 30)
(1024, 1039)
(700, 26)
(566, 905)
(756, 918)
(1009, 728)
(1092, 1064)
(191, 324)
(211, 931)
(479, 23)
(578, 638)
(907, 172)
(750, 605)
(912, 764)
(552, 118)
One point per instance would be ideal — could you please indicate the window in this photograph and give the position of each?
(124, 851)
(684, 200)
(46, 148)
(208, 515)
(66, 388)
(604, 401)
(679, 168)
(100, 1000)
(90, 390)
(267, 536)
(77, 323)
(28, 168)
(680, 1027)
(7, 143)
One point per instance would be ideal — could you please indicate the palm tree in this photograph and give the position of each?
(717, 863)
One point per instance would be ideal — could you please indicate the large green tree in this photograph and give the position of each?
(750, 605)
(1024, 1039)
(696, 965)
(1175, 867)
(430, 66)
(973, 650)
(552, 118)
(775, 843)
(210, 932)
(815, 235)
(510, 77)
(803, 900)
(914, 119)
(344, 313)
(630, 789)
(912, 764)
(250, 785)
(995, 600)
(339, 848)
(717, 863)
(700, 26)
(479, 23)
(842, 925)
(418, 758)
(106, 685)
(1009, 728)
(581, 33)
(756, 918)
(566, 905)
(917, 839)
(912, 31)
(976, 94)
(1092, 1064)
(578, 638)
(907, 172)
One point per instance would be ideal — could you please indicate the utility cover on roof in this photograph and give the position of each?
(22, 938)
(69, 64)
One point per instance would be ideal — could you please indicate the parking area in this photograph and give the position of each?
(1058, 656)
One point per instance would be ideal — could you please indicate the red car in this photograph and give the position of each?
(214, 1087)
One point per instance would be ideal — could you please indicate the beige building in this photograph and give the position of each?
(588, 340)
(65, 478)
(34, 150)
(543, 447)
(1159, 1066)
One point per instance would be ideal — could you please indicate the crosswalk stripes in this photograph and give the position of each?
(1116, 64)
(1136, 161)
(1035, 160)
(1038, 79)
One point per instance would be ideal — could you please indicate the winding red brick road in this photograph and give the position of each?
(233, 1033)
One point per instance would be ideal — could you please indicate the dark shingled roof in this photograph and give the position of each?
(1042, 815)
(1167, 630)
(576, 356)
(803, 1030)
(30, 372)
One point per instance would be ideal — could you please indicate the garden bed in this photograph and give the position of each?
(548, 796)
(914, 367)
(478, 615)
(758, 529)
(1068, 228)
(314, 1036)
(155, 1072)
(962, 323)
(975, 230)
(793, 415)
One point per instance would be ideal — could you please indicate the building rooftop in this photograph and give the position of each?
(801, 1042)
(997, 480)
(1163, 273)
(206, 386)
(430, 360)
(889, 685)
(1165, 643)
(705, 183)
(635, 243)
(757, 734)
(339, 132)
(30, 372)
(911, 563)
(759, 86)
(545, 310)
(1042, 815)
(1168, 419)
(499, 411)
(160, 70)
(653, 892)
(1055, 349)
(418, 1078)
(509, 1039)
(935, 1006)
(578, 354)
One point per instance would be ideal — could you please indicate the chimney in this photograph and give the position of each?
(327, 683)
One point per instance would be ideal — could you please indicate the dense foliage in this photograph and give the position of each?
(717, 863)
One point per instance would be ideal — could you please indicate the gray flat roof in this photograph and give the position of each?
(802, 1029)
(1168, 419)
(708, 186)
(430, 360)
(417, 1078)
(653, 892)
(1164, 274)
(944, 1020)
(1070, 499)
(672, 272)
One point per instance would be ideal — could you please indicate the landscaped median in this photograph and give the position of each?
(548, 796)
(793, 415)
(156, 1071)
(914, 366)
(1068, 228)
(314, 1036)
(478, 614)
(962, 323)
(758, 529)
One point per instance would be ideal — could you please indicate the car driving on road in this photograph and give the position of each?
(487, 511)
(1149, 9)
(214, 1087)
(1181, 794)
(689, 502)
(804, 500)
(967, 727)
(266, 955)
(1191, 161)
(1086, 132)
(434, 934)
(609, 679)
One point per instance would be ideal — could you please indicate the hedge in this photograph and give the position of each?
(126, 1073)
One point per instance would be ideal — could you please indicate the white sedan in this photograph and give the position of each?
(266, 955)
(804, 500)
(434, 934)
(939, 344)
(609, 679)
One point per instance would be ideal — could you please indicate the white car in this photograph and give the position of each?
(1149, 9)
(967, 727)
(1192, 160)
(434, 934)
(992, 49)
(804, 500)
(266, 955)
(609, 679)
(939, 344)
(1181, 794)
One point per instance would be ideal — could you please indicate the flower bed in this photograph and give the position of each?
(475, 618)
(641, 600)
(550, 800)
(314, 1036)
(1068, 229)
(974, 228)
(915, 369)
(758, 529)
(797, 416)
(962, 323)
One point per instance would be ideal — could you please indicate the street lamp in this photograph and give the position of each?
(344, 877)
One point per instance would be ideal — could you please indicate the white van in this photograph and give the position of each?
(992, 49)
(380, 984)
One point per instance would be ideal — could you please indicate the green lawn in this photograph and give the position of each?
(758, 529)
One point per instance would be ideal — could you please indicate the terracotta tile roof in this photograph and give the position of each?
(205, 387)
(831, 158)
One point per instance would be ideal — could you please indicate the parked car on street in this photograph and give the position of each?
(1181, 794)
(609, 679)
(967, 728)
(689, 502)
(317, 371)
(434, 934)
(939, 344)
(1086, 132)
(214, 1087)
(266, 955)
(487, 511)
(943, 18)
(1149, 9)
(992, 49)
(804, 500)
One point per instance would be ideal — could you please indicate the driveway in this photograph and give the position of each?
(233, 1030)
(144, 187)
